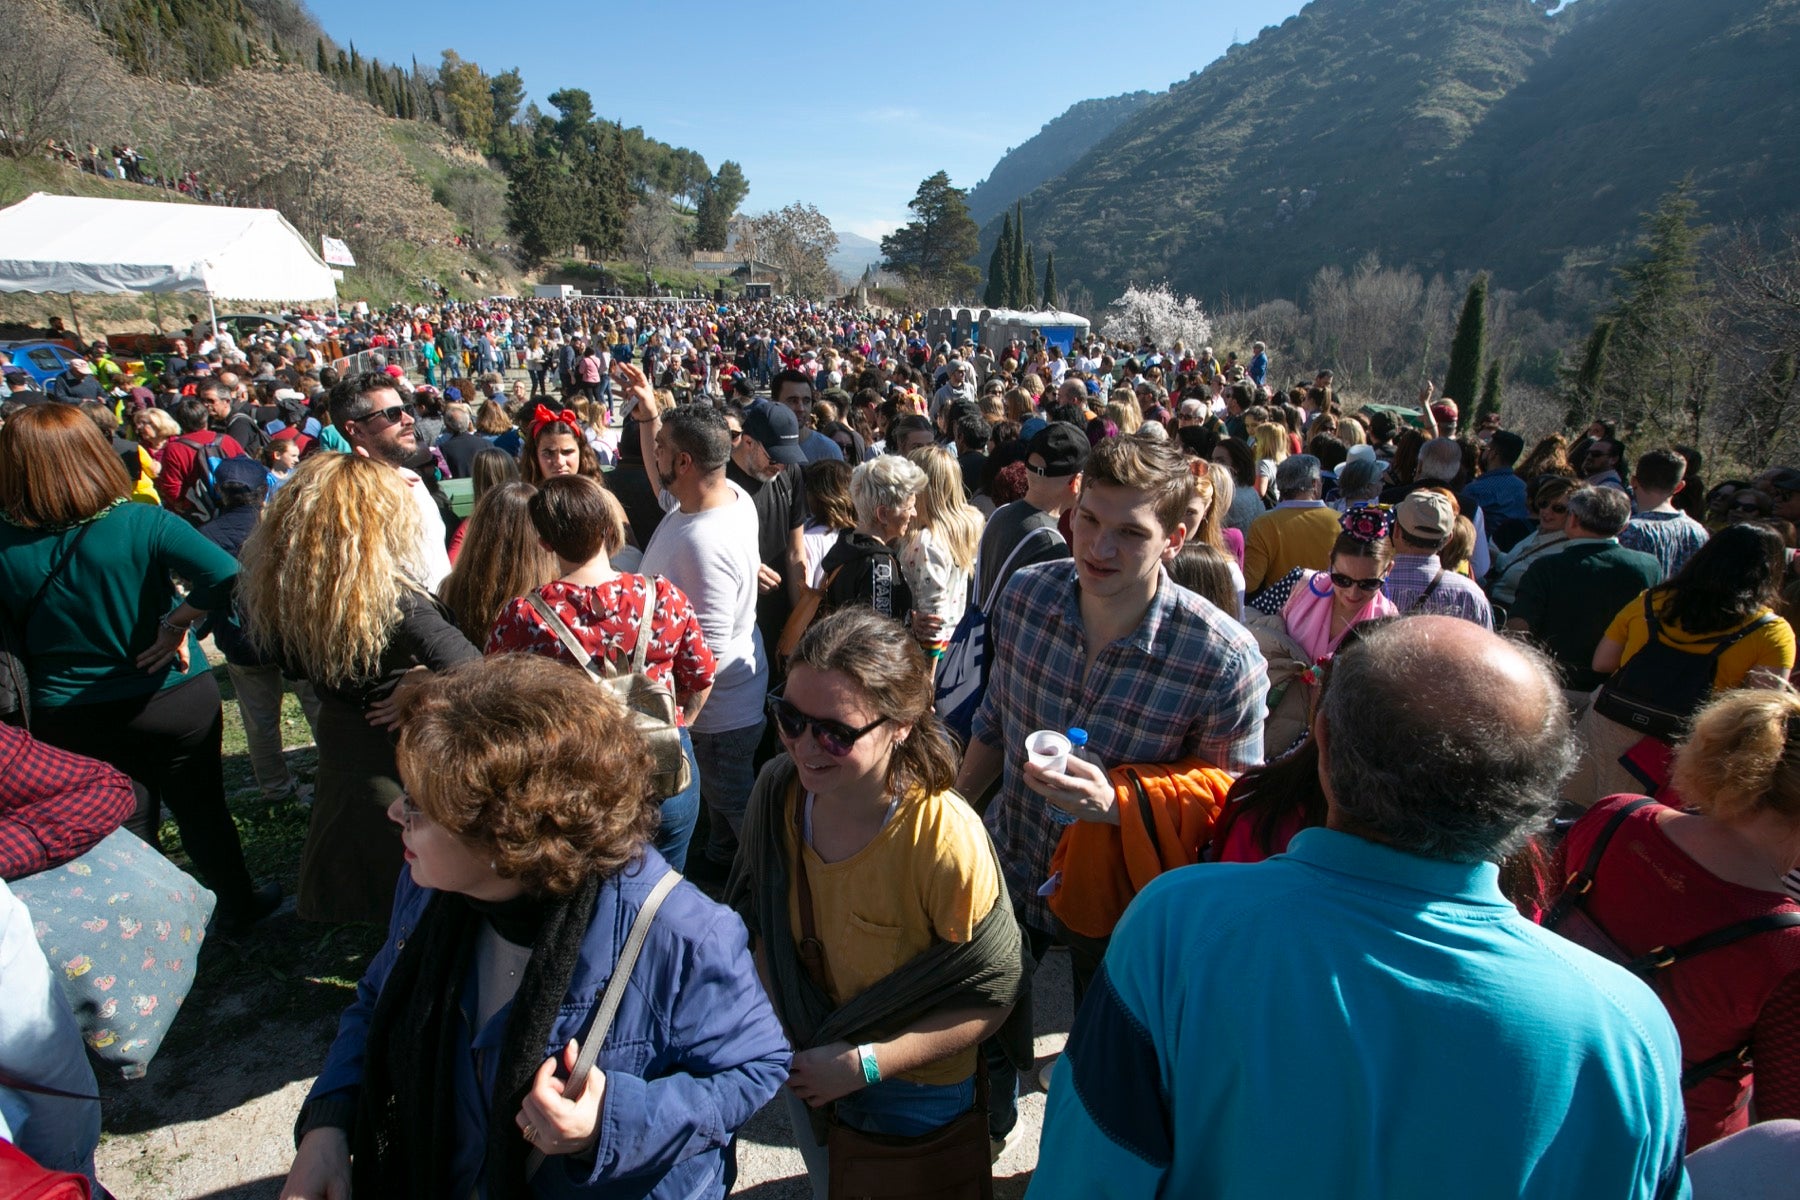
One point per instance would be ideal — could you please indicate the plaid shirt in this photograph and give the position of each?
(1188, 681)
(1456, 594)
(53, 805)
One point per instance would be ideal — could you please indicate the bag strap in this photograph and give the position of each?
(1664, 957)
(1430, 590)
(640, 652)
(1706, 1068)
(1000, 578)
(1582, 881)
(614, 994)
(810, 949)
(1726, 643)
(9, 1080)
(56, 570)
(564, 634)
(1143, 799)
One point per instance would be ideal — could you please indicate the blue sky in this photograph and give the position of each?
(844, 106)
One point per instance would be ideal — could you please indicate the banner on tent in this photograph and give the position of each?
(336, 253)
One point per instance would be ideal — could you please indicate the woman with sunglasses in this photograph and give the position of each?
(873, 895)
(1320, 609)
(1549, 503)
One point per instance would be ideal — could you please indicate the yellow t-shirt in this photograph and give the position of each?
(1771, 646)
(929, 875)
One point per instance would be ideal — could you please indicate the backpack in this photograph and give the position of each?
(202, 492)
(1662, 687)
(962, 674)
(650, 702)
(1570, 918)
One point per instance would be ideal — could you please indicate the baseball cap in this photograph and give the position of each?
(1426, 515)
(81, 366)
(1785, 478)
(241, 472)
(1062, 446)
(776, 430)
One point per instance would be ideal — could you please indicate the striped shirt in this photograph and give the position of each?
(1188, 681)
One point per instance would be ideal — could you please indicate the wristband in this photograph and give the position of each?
(870, 1067)
(171, 626)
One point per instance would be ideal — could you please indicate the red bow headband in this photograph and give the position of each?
(543, 416)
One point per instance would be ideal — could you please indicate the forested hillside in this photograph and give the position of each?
(1448, 135)
(1055, 148)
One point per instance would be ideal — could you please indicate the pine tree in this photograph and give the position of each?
(1050, 280)
(998, 273)
(1490, 393)
(1463, 380)
(323, 63)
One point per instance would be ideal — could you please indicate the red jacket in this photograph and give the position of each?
(180, 462)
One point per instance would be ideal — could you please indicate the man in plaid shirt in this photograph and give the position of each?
(1108, 643)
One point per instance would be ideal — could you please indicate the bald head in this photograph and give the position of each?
(1443, 740)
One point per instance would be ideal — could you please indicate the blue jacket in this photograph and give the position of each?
(1352, 1021)
(694, 1050)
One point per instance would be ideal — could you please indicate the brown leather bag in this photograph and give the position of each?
(950, 1163)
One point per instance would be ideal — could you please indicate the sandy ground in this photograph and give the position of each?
(214, 1117)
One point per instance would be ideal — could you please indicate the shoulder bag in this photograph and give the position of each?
(953, 1162)
(650, 702)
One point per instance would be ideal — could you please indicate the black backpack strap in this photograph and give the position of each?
(1726, 643)
(1664, 957)
(1581, 881)
(1706, 1068)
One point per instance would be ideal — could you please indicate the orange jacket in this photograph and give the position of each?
(1166, 814)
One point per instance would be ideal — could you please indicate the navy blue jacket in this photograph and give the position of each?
(694, 1050)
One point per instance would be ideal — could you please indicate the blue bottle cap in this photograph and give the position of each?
(1078, 737)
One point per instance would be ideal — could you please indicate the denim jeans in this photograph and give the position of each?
(895, 1106)
(727, 773)
(679, 813)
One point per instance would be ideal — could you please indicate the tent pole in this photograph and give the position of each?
(212, 315)
(76, 317)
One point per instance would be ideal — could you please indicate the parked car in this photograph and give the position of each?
(43, 361)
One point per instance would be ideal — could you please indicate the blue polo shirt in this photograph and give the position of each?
(1352, 1021)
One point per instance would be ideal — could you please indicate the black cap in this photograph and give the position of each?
(1062, 446)
(778, 431)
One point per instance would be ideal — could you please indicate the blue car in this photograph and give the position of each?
(43, 361)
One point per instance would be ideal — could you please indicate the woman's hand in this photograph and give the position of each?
(171, 645)
(1080, 789)
(390, 711)
(557, 1122)
(321, 1169)
(926, 625)
(826, 1073)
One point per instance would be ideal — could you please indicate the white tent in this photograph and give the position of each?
(88, 244)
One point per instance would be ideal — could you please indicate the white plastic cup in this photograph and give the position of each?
(1048, 750)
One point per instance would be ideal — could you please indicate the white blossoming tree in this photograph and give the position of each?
(1158, 314)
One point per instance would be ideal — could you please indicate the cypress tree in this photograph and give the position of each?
(1463, 380)
(324, 64)
(999, 272)
(1490, 392)
(1591, 374)
(1019, 295)
(1050, 280)
(1028, 279)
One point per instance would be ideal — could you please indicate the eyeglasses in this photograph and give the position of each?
(1557, 508)
(834, 737)
(409, 812)
(390, 414)
(1752, 507)
(1339, 579)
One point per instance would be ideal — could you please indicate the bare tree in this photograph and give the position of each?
(48, 81)
(650, 233)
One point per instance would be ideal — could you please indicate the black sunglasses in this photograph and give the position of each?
(1339, 579)
(389, 414)
(834, 737)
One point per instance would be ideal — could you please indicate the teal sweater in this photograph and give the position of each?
(102, 611)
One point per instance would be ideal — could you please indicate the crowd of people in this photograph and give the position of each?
(797, 681)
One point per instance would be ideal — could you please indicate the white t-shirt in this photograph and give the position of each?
(433, 557)
(712, 557)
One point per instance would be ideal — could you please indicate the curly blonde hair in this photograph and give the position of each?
(1743, 754)
(526, 758)
(325, 569)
